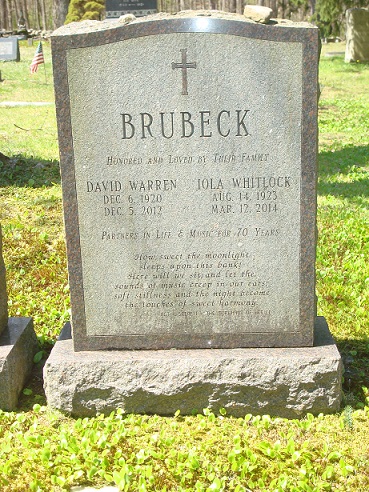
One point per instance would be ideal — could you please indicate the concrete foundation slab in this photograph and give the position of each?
(18, 345)
(286, 382)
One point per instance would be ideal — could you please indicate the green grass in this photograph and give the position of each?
(29, 131)
(42, 450)
(199, 453)
(20, 85)
(343, 212)
(30, 193)
(32, 132)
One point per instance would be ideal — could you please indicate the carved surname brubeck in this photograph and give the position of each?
(194, 185)
(184, 122)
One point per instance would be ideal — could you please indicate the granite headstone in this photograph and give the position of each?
(189, 182)
(357, 35)
(188, 151)
(18, 345)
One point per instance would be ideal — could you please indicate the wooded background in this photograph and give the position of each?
(49, 14)
(38, 14)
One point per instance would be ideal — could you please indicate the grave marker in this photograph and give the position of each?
(138, 8)
(357, 35)
(18, 345)
(9, 49)
(196, 211)
(189, 190)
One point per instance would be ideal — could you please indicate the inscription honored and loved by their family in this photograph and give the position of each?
(188, 155)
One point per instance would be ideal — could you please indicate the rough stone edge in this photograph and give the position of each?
(88, 26)
(287, 382)
(3, 293)
(18, 346)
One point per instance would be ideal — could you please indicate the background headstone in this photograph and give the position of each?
(138, 8)
(357, 35)
(18, 345)
(9, 49)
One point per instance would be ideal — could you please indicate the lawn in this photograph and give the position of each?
(43, 450)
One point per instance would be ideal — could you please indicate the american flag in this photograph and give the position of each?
(37, 59)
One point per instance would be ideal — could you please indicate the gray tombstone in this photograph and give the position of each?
(18, 345)
(357, 35)
(189, 191)
(192, 223)
(9, 49)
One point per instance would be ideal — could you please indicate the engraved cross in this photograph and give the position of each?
(184, 65)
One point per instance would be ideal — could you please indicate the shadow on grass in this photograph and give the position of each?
(350, 162)
(355, 357)
(28, 172)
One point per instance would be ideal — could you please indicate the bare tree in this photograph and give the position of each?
(43, 14)
(24, 10)
(60, 11)
(9, 15)
(3, 15)
(16, 10)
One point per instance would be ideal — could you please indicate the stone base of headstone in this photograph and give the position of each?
(285, 382)
(18, 346)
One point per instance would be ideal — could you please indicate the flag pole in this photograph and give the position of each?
(45, 73)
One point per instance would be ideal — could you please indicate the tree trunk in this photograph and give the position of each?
(60, 11)
(3, 18)
(273, 6)
(37, 17)
(43, 14)
(24, 9)
(9, 15)
(16, 11)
